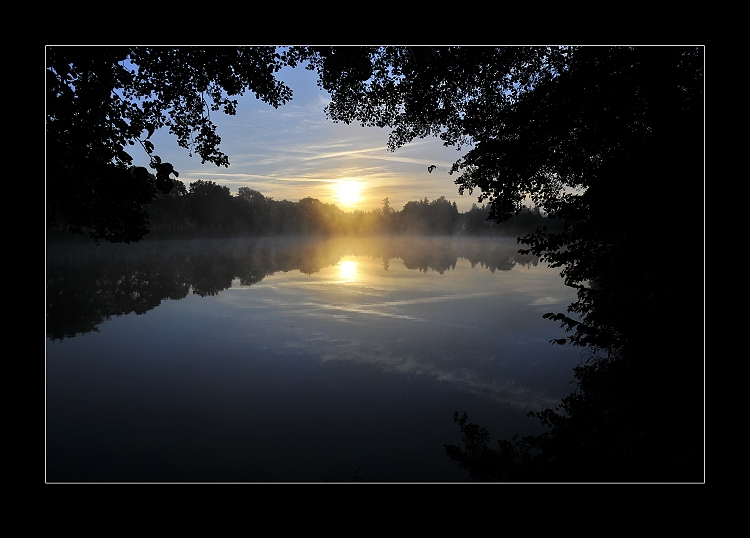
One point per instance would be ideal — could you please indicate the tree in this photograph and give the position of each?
(540, 120)
(593, 135)
(255, 207)
(100, 100)
(169, 208)
(210, 205)
(387, 209)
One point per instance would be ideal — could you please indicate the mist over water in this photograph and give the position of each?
(293, 359)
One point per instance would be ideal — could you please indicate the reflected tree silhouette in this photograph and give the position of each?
(86, 287)
(89, 284)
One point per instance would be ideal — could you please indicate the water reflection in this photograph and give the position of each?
(292, 360)
(87, 285)
(457, 328)
(348, 270)
(337, 300)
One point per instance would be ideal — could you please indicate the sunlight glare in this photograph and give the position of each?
(348, 270)
(348, 192)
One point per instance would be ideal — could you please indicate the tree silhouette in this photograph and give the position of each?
(100, 100)
(169, 209)
(386, 205)
(210, 205)
(595, 136)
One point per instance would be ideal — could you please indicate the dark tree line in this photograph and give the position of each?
(208, 208)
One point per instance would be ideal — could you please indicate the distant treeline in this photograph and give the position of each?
(209, 209)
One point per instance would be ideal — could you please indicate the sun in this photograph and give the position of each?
(347, 192)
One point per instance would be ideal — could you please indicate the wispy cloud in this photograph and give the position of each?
(295, 151)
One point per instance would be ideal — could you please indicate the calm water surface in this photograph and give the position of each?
(293, 360)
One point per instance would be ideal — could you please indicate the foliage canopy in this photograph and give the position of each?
(597, 137)
(100, 100)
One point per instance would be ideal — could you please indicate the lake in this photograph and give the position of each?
(293, 360)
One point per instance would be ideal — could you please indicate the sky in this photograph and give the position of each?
(294, 152)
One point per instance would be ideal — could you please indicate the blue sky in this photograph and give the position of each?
(294, 151)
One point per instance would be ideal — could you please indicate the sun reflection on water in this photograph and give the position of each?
(348, 270)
